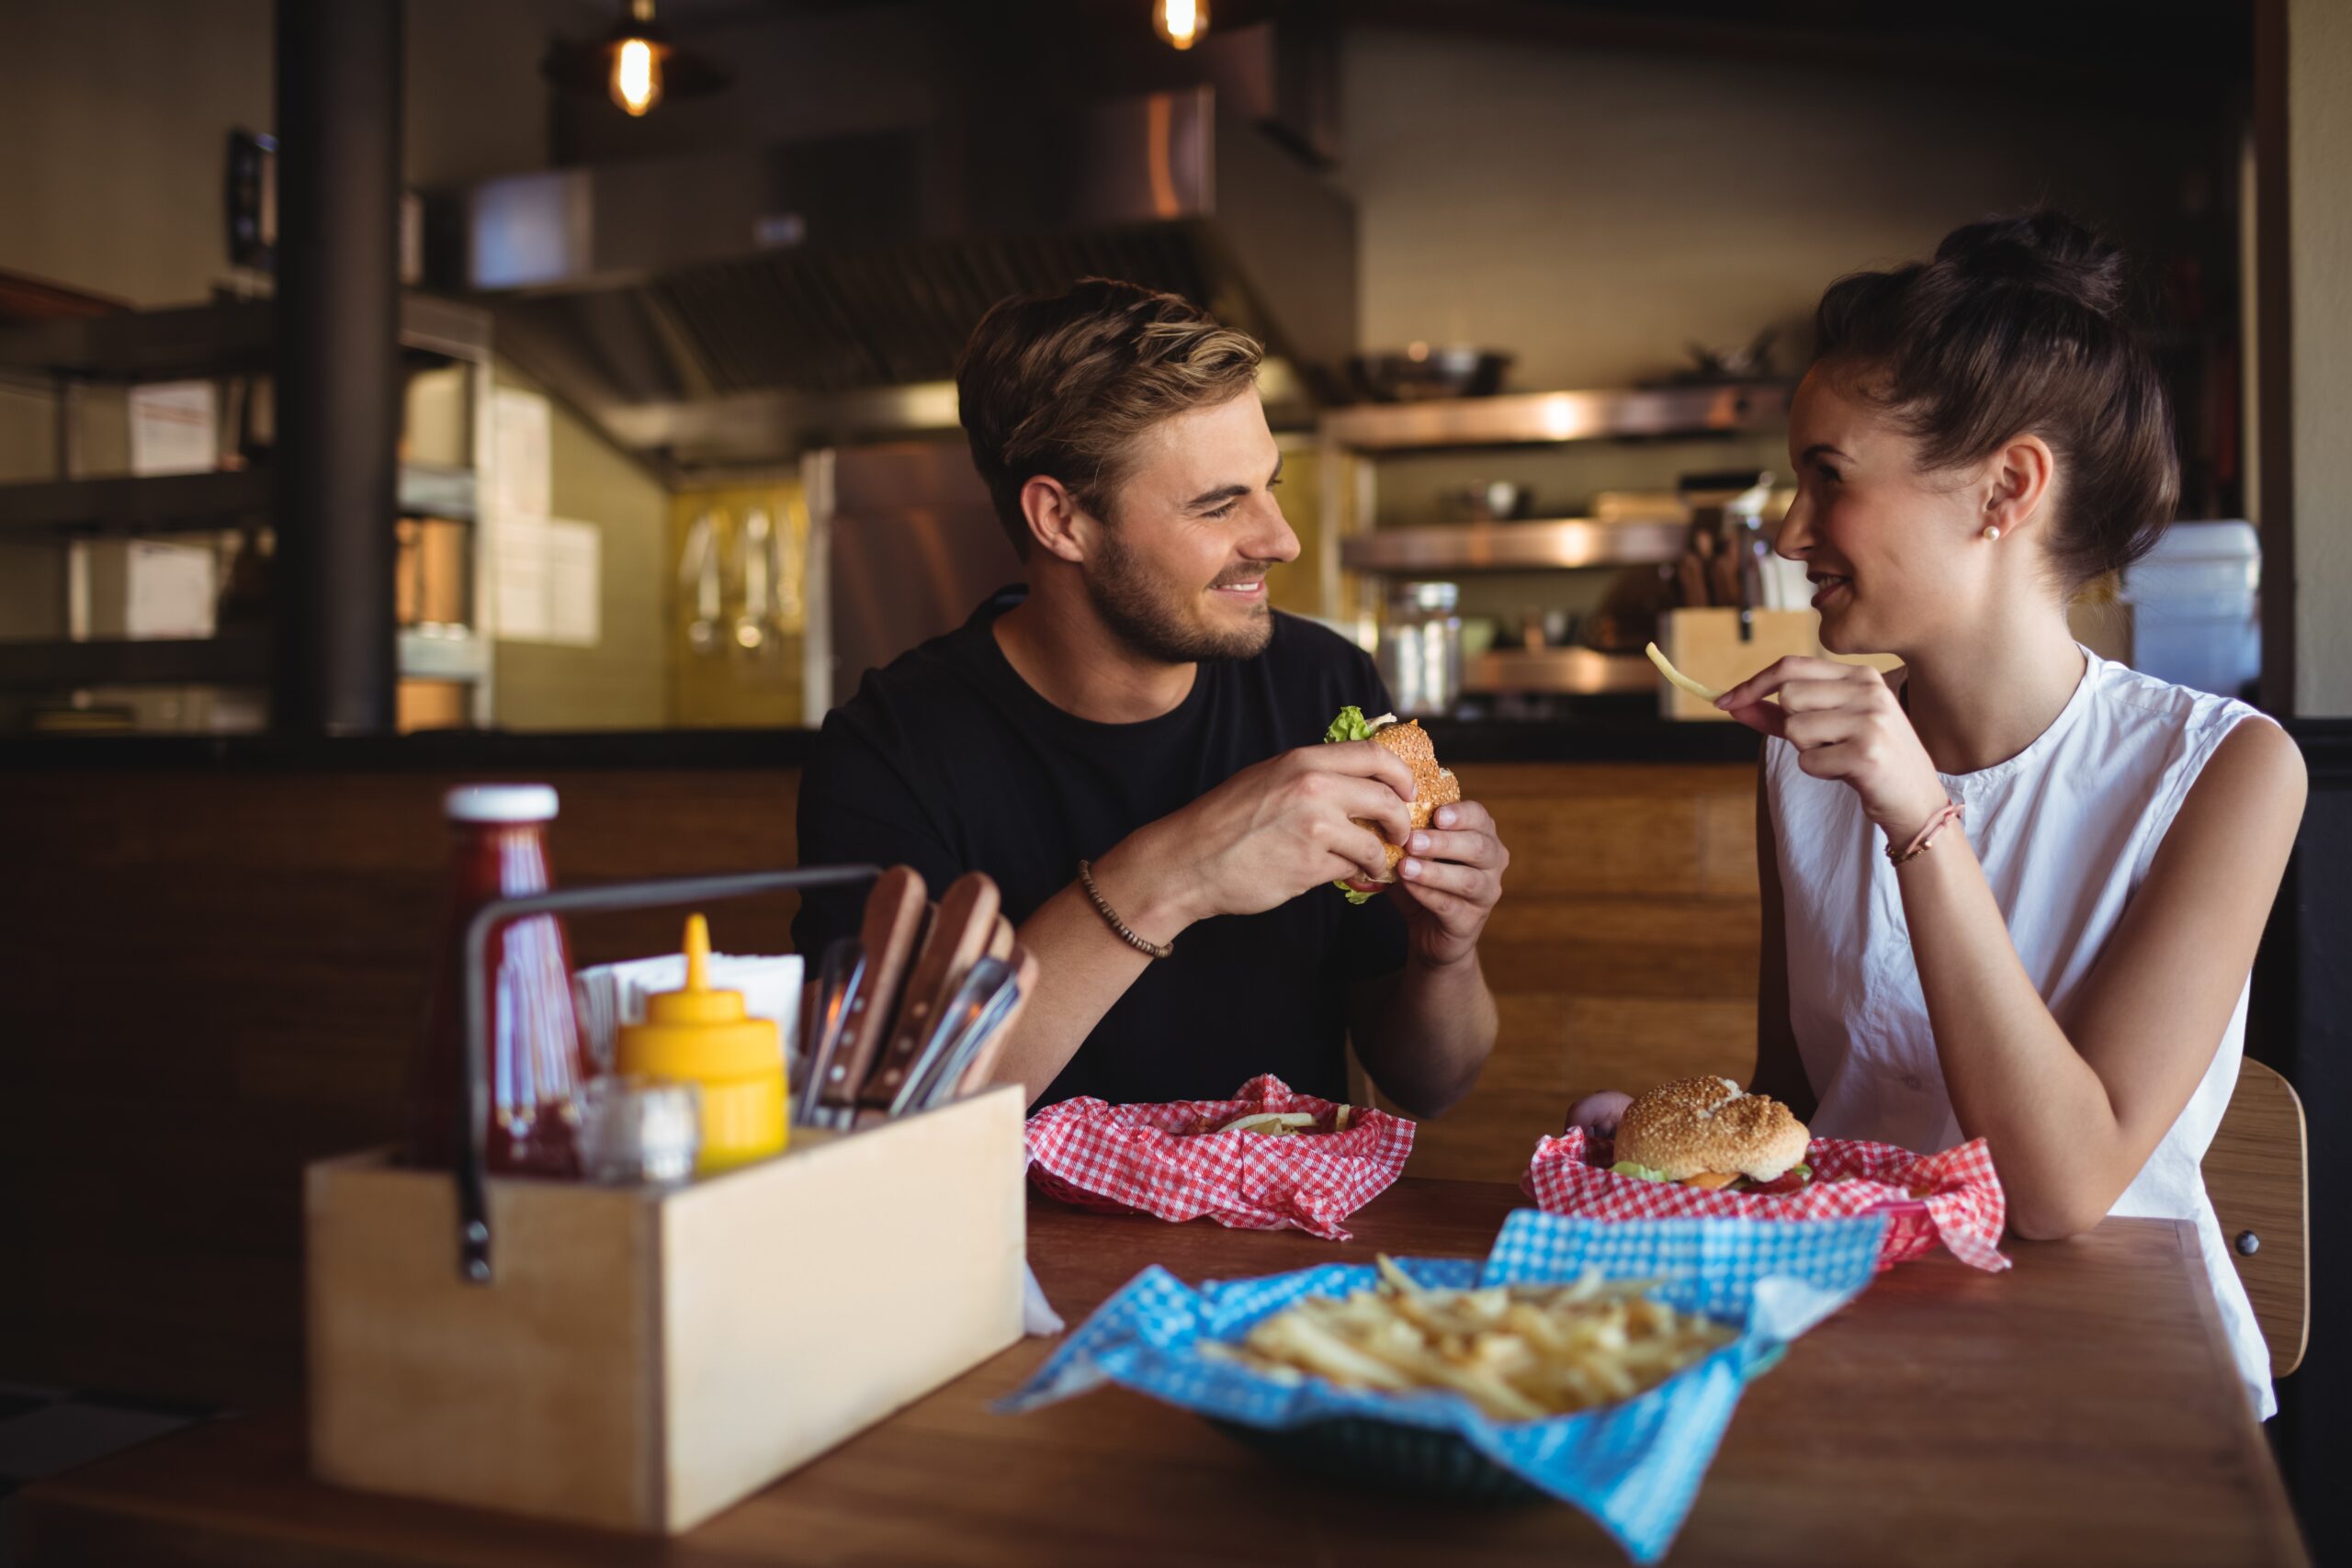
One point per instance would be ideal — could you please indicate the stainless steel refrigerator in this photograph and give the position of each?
(903, 545)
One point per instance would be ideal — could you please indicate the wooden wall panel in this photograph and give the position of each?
(1671, 947)
(1622, 955)
(211, 976)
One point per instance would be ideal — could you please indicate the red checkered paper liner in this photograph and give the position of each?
(1140, 1157)
(1953, 1198)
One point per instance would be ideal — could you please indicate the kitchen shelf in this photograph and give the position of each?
(1530, 419)
(1555, 544)
(137, 503)
(235, 658)
(1559, 672)
(201, 342)
(1354, 441)
(223, 340)
(204, 502)
(238, 658)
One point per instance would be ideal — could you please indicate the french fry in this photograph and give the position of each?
(1520, 1353)
(1705, 693)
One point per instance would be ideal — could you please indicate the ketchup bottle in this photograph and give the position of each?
(537, 1063)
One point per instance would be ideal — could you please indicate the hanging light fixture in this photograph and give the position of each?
(1180, 22)
(635, 64)
(636, 51)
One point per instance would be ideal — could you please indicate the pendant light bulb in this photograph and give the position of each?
(636, 63)
(1180, 22)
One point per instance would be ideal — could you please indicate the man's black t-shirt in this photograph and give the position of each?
(949, 761)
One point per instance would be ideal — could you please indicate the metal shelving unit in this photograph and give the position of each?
(1559, 672)
(234, 656)
(135, 504)
(1543, 419)
(148, 505)
(1559, 544)
(205, 343)
(1354, 440)
(199, 342)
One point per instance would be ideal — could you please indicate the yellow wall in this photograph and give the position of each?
(2319, 169)
(730, 688)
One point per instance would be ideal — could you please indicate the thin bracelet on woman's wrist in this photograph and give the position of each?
(1925, 838)
(1110, 918)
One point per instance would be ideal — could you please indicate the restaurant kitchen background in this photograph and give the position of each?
(650, 489)
(677, 460)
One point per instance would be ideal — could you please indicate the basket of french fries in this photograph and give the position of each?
(1952, 1200)
(1595, 1364)
(1269, 1158)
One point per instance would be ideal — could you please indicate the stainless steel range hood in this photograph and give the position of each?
(740, 307)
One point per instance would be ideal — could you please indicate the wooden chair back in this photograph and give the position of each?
(2255, 1175)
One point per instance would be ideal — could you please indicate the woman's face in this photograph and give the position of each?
(1894, 554)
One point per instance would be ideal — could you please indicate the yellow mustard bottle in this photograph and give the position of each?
(704, 1037)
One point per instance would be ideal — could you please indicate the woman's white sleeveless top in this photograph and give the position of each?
(2065, 830)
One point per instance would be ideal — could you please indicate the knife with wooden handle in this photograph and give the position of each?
(959, 938)
(838, 973)
(804, 1052)
(966, 1020)
(983, 1062)
(894, 922)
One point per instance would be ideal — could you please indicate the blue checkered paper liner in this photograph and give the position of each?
(1635, 1467)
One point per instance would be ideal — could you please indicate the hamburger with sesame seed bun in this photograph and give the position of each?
(1706, 1132)
(1432, 787)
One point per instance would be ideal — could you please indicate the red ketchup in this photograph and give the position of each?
(538, 1061)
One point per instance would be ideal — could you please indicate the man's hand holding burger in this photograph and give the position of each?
(1295, 821)
(1366, 811)
(1446, 872)
(1424, 1034)
(1450, 880)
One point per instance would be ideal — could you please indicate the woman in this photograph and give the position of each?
(2013, 891)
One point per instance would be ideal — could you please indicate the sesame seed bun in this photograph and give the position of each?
(1432, 787)
(1693, 1126)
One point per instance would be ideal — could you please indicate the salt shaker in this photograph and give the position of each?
(636, 1130)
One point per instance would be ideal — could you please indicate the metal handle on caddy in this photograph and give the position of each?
(474, 1207)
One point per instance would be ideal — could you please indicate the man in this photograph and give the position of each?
(1140, 708)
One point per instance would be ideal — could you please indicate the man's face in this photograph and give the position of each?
(1180, 572)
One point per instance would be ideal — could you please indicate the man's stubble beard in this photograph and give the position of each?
(1149, 616)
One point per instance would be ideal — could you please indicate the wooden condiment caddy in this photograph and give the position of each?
(1707, 645)
(640, 1357)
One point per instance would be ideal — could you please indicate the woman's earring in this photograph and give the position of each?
(1992, 532)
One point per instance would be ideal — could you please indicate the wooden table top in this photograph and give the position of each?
(2081, 1407)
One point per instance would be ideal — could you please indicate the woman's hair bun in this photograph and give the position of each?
(2019, 324)
(2040, 250)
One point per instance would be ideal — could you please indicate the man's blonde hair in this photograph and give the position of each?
(1062, 384)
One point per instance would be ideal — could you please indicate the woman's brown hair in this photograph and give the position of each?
(2018, 327)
